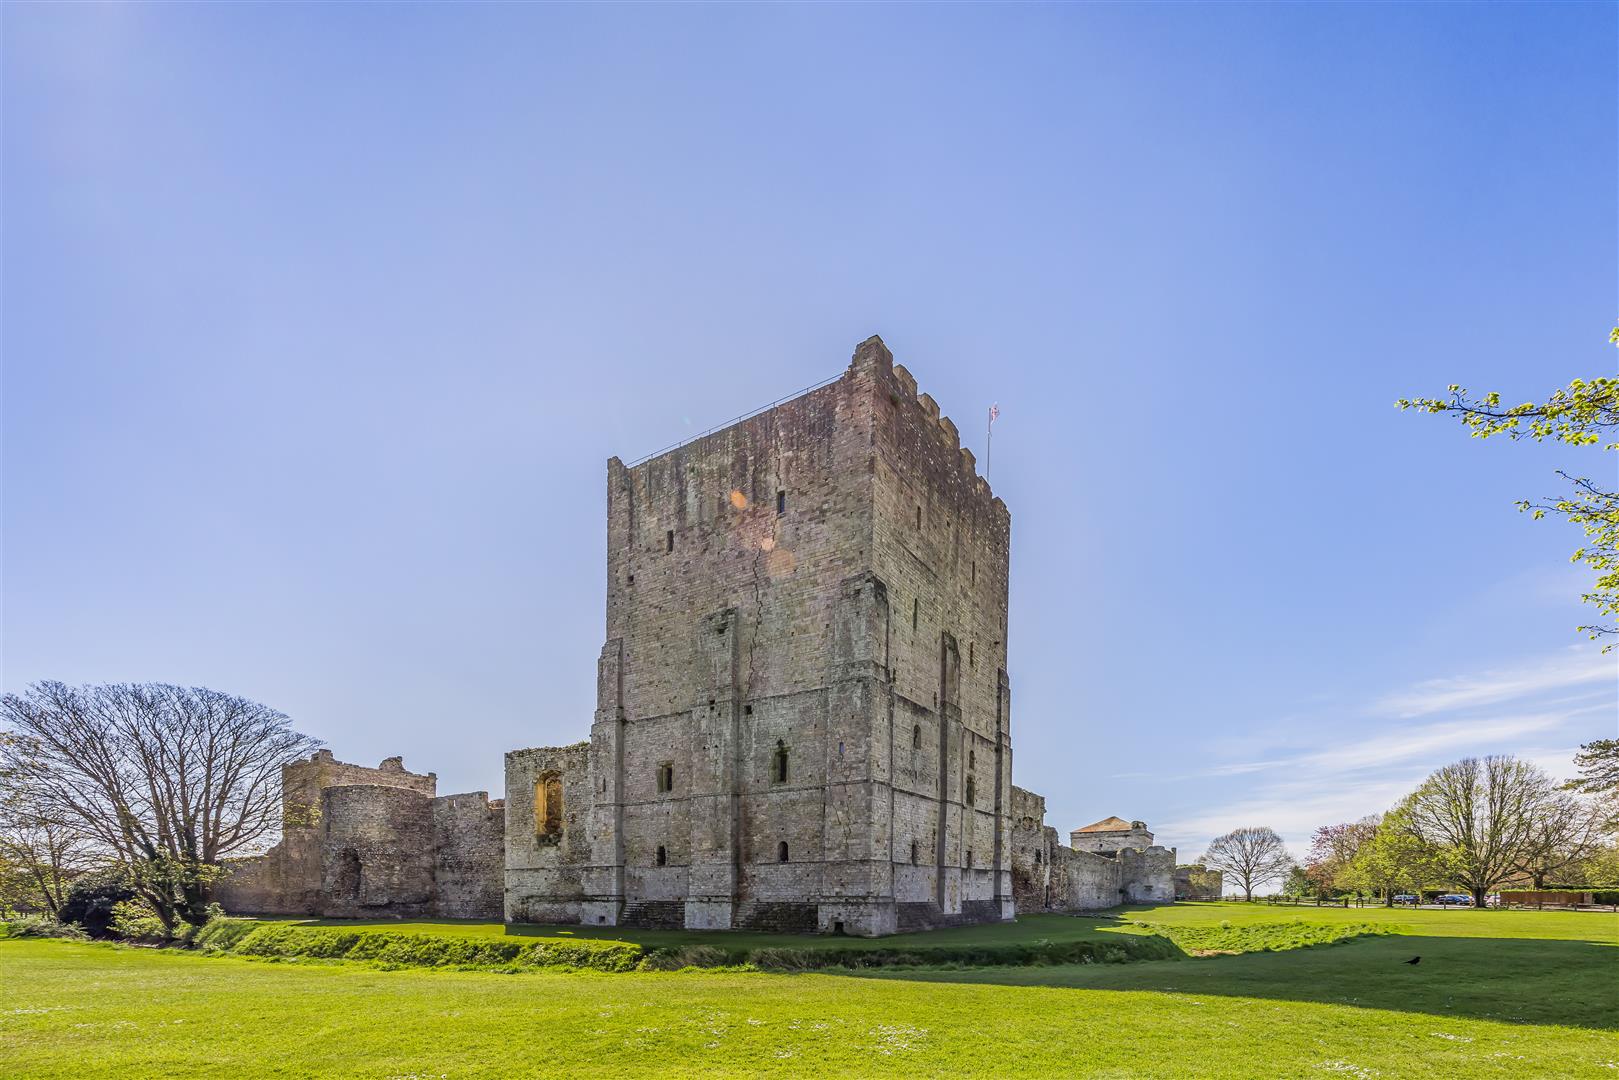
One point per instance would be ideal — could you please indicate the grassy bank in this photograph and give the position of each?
(1514, 994)
(1036, 940)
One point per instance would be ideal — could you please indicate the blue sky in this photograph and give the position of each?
(321, 321)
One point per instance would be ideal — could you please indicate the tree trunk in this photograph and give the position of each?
(1478, 899)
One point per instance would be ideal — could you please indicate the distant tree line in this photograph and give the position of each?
(1475, 826)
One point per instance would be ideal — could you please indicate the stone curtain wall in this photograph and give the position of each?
(358, 841)
(1197, 882)
(544, 873)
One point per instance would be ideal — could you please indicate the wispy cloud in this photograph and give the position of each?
(1361, 759)
(1561, 673)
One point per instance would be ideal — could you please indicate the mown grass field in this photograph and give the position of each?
(1498, 994)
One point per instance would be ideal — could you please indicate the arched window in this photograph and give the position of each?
(972, 759)
(663, 856)
(548, 804)
(778, 765)
(781, 851)
(916, 737)
(969, 791)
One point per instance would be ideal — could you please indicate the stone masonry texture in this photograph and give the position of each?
(803, 704)
(803, 721)
(371, 842)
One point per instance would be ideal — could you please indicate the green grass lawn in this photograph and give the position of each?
(1498, 994)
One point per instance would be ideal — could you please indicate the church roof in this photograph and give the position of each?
(1107, 824)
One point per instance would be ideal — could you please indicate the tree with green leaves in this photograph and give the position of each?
(1598, 763)
(1481, 815)
(1585, 413)
(1393, 860)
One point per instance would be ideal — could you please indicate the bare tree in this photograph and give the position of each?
(167, 780)
(1482, 815)
(43, 854)
(1565, 832)
(1252, 856)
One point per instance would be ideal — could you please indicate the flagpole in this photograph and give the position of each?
(989, 441)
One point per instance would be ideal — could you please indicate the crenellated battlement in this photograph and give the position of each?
(874, 355)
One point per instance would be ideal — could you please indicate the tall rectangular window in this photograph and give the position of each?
(781, 503)
(916, 611)
(669, 540)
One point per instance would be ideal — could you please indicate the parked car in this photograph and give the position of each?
(1405, 898)
(1459, 899)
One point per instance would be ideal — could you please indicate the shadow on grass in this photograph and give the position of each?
(1515, 980)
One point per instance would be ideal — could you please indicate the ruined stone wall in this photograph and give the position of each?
(1147, 875)
(1034, 852)
(1197, 882)
(545, 866)
(1086, 881)
(358, 841)
(469, 855)
(376, 852)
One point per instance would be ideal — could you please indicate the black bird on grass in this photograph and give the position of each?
(1415, 960)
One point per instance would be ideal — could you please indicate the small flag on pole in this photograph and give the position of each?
(994, 413)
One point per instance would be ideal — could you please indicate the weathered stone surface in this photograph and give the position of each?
(1195, 881)
(364, 842)
(803, 708)
(1108, 871)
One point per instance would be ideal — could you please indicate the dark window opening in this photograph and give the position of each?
(837, 926)
(913, 852)
(975, 573)
(781, 851)
(969, 858)
(972, 758)
(666, 778)
(747, 710)
(972, 654)
(916, 612)
(781, 503)
(669, 540)
(632, 579)
(663, 857)
(840, 749)
(916, 737)
(1037, 858)
(778, 765)
(918, 517)
(969, 791)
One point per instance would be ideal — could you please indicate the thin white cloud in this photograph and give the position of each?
(1376, 754)
(1494, 687)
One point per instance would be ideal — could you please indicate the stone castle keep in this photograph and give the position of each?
(803, 716)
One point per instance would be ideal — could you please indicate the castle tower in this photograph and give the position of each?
(803, 714)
